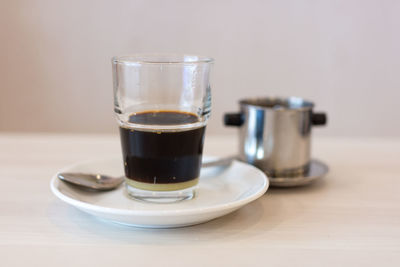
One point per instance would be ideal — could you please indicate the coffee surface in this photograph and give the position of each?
(162, 157)
(163, 118)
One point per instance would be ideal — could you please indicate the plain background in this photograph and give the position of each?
(55, 70)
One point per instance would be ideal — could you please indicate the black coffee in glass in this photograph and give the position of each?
(162, 160)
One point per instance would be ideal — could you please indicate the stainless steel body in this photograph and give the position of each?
(275, 134)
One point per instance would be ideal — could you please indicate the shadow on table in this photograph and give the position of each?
(315, 187)
(257, 218)
(89, 229)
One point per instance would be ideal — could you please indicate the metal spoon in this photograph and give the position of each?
(96, 182)
(101, 182)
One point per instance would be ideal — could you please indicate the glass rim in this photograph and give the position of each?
(161, 59)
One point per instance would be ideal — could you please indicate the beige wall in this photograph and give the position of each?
(55, 72)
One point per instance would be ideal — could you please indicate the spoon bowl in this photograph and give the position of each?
(98, 182)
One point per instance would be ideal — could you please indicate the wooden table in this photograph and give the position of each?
(351, 217)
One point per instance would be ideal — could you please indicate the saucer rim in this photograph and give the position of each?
(157, 213)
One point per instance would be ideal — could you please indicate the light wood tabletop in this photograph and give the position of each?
(351, 217)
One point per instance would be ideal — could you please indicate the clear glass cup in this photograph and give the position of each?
(162, 104)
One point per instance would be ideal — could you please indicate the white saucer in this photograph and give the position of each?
(317, 170)
(221, 190)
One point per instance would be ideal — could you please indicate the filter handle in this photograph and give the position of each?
(233, 119)
(319, 118)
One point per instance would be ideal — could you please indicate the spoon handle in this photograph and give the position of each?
(219, 162)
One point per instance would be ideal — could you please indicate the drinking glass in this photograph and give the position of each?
(162, 104)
